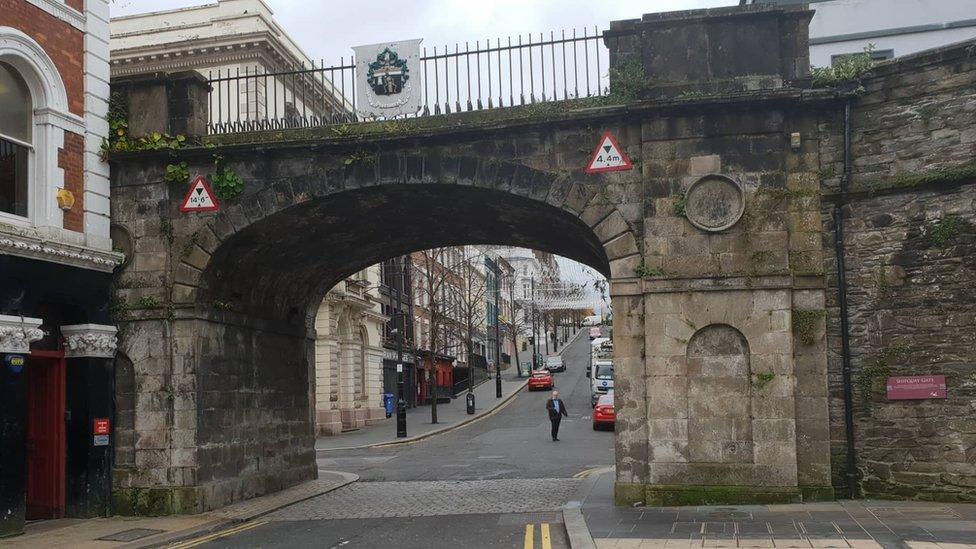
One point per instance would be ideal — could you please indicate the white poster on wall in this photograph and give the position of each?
(389, 79)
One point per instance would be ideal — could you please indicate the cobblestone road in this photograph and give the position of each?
(432, 498)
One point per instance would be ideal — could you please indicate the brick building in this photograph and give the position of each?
(57, 341)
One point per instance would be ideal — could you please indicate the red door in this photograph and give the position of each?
(45, 435)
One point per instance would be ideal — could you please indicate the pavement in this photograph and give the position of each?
(856, 524)
(450, 415)
(133, 532)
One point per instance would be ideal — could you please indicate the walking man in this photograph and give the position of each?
(556, 410)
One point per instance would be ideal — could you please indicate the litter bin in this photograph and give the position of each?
(389, 403)
(470, 402)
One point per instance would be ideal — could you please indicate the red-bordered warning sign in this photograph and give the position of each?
(608, 156)
(199, 198)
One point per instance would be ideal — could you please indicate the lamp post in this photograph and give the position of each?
(498, 350)
(401, 411)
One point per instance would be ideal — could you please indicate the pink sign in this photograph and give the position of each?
(916, 387)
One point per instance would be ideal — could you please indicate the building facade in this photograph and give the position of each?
(892, 27)
(349, 355)
(57, 338)
(226, 40)
(396, 297)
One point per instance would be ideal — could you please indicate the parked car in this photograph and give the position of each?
(604, 414)
(555, 364)
(595, 332)
(602, 381)
(541, 379)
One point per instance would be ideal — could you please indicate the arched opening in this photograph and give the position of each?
(718, 364)
(270, 278)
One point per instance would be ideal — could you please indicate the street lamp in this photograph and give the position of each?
(498, 350)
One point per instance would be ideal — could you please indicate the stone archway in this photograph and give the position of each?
(248, 282)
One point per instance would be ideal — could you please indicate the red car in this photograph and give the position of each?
(541, 379)
(604, 414)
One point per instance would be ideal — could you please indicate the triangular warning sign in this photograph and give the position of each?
(608, 156)
(199, 198)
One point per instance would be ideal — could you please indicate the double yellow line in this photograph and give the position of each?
(530, 536)
(223, 533)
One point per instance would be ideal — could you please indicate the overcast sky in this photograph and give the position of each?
(327, 29)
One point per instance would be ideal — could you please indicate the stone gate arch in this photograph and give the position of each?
(235, 286)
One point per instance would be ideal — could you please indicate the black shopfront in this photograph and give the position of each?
(56, 391)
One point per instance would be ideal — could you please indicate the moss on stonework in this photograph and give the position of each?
(542, 111)
(155, 501)
(944, 231)
(816, 492)
(626, 494)
(940, 176)
(868, 376)
(806, 324)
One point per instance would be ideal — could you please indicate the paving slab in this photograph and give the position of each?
(859, 524)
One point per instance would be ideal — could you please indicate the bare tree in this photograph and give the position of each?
(433, 279)
(474, 290)
(516, 323)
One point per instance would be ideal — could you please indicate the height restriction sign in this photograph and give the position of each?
(608, 156)
(199, 198)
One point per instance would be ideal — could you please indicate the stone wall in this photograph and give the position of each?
(753, 278)
(911, 270)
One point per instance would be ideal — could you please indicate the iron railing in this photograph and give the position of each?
(530, 69)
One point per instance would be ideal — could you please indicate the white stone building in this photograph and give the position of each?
(349, 355)
(225, 40)
(894, 27)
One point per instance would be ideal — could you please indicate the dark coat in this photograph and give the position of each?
(551, 408)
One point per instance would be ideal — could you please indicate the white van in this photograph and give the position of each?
(601, 381)
(593, 320)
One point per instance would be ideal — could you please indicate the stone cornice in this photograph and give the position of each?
(46, 250)
(17, 333)
(89, 341)
(192, 54)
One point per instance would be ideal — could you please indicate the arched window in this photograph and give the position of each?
(15, 141)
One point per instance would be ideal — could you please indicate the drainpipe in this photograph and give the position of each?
(851, 469)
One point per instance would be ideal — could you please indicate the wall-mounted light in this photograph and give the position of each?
(66, 199)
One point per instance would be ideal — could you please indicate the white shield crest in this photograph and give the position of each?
(389, 79)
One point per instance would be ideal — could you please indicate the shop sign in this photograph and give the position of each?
(100, 440)
(916, 387)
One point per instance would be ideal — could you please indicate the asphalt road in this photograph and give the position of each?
(492, 483)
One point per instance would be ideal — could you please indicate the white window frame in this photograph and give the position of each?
(51, 118)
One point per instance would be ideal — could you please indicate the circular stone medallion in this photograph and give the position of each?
(714, 203)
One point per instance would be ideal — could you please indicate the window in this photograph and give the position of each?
(876, 55)
(15, 141)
